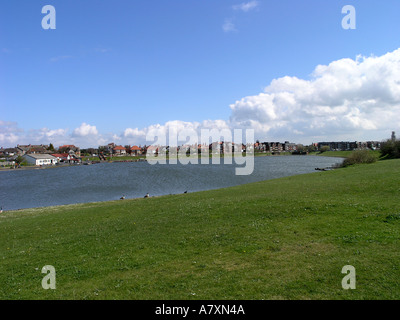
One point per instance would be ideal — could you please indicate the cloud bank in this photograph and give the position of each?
(348, 99)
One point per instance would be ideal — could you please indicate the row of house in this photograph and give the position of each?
(21, 150)
(45, 154)
(42, 154)
(115, 150)
(50, 159)
(275, 147)
(348, 146)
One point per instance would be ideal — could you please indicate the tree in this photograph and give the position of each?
(324, 149)
(128, 149)
(51, 147)
(20, 160)
(300, 148)
(311, 148)
(390, 149)
(359, 157)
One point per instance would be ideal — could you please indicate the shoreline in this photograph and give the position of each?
(157, 196)
(90, 162)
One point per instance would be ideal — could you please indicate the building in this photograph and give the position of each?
(349, 146)
(70, 149)
(275, 147)
(135, 150)
(151, 150)
(289, 146)
(63, 157)
(10, 152)
(40, 159)
(119, 151)
(26, 149)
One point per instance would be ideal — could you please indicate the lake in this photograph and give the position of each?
(21, 189)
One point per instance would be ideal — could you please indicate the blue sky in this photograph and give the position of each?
(113, 68)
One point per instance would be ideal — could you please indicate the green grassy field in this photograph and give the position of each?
(280, 239)
(342, 154)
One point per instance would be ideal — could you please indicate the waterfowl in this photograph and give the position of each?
(122, 198)
(147, 195)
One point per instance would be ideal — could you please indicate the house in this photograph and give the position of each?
(24, 149)
(203, 149)
(119, 151)
(71, 149)
(152, 150)
(289, 146)
(10, 152)
(216, 147)
(40, 159)
(62, 157)
(275, 147)
(135, 150)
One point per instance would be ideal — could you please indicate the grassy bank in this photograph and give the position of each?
(280, 239)
(342, 154)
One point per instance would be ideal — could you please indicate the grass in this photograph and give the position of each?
(343, 154)
(280, 239)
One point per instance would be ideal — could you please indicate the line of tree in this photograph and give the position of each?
(390, 149)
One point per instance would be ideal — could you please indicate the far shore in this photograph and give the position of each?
(136, 159)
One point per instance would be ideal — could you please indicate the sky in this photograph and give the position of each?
(111, 71)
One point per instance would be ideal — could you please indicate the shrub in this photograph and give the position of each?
(324, 149)
(358, 157)
(390, 149)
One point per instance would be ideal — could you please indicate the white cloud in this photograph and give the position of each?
(85, 130)
(228, 26)
(346, 98)
(129, 133)
(9, 133)
(176, 127)
(246, 6)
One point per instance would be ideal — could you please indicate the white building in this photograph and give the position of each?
(40, 159)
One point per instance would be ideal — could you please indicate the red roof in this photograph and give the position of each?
(60, 155)
(119, 148)
(135, 148)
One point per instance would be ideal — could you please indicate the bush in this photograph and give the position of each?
(390, 149)
(359, 157)
(324, 149)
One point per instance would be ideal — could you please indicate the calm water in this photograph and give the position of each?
(109, 181)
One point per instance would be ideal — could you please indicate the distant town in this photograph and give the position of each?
(43, 155)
